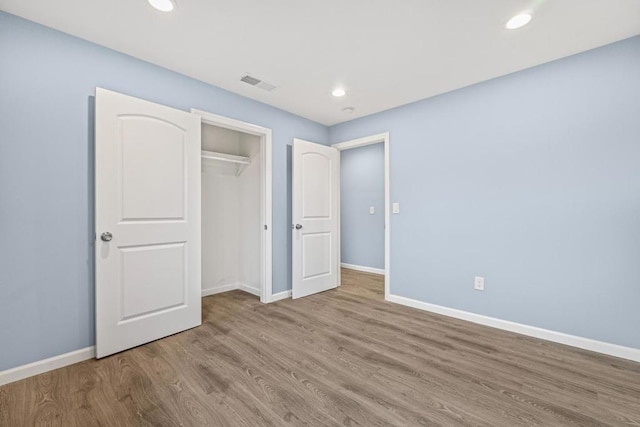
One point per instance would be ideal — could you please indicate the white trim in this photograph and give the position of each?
(531, 331)
(46, 365)
(229, 123)
(361, 142)
(339, 216)
(266, 209)
(266, 191)
(231, 287)
(281, 295)
(249, 289)
(220, 289)
(362, 268)
(370, 140)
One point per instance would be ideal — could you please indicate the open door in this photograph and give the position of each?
(316, 195)
(147, 218)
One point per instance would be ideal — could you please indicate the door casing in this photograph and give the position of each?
(362, 142)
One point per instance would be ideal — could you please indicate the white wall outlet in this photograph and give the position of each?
(478, 283)
(372, 210)
(396, 208)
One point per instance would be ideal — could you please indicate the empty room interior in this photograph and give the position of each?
(355, 213)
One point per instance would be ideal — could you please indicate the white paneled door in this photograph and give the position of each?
(315, 218)
(147, 218)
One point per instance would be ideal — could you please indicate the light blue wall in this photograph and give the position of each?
(362, 186)
(47, 80)
(531, 180)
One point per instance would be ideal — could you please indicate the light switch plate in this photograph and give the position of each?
(396, 208)
(372, 210)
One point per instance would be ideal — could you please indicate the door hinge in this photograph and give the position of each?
(265, 226)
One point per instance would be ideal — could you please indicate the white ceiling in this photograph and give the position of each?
(384, 52)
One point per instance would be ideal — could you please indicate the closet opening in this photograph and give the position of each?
(236, 206)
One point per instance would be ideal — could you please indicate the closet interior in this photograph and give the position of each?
(231, 223)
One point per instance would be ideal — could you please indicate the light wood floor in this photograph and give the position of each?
(343, 357)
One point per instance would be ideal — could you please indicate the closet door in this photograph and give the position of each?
(315, 213)
(147, 218)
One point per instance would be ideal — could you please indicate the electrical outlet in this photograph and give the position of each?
(478, 283)
(372, 210)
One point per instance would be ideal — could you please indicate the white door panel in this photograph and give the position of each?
(316, 186)
(148, 198)
(153, 157)
(153, 277)
(315, 215)
(316, 254)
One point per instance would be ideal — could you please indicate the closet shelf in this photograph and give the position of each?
(240, 161)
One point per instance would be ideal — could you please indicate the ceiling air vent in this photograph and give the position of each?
(254, 81)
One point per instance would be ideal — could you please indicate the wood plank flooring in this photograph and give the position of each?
(343, 357)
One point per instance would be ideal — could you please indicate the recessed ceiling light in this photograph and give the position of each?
(520, 20)
(338, 92)
(163, 5)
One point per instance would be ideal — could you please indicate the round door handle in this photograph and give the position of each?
(298, 226)
(106, 236)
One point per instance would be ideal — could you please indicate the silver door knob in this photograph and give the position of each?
(106, 236)
(298, 226)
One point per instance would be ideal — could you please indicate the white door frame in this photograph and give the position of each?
(266, 265)
(361, 142)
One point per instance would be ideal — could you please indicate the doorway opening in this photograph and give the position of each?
(236, 206)
(315, 213)
(364, 229)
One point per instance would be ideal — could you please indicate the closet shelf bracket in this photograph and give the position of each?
(240, 161)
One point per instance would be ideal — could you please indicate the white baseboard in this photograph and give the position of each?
(231, 287)
(219, 289)
(280, 295)
(532, 331)
(362, 268)
(46, 365)
(249, 289)
(242, 287)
